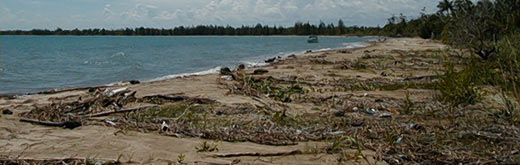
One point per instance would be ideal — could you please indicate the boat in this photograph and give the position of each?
(312, 39)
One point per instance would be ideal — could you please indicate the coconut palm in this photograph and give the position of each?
(446, 6)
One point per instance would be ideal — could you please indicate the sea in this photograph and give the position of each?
(30, 64)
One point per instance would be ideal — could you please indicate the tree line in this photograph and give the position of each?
(299, 28)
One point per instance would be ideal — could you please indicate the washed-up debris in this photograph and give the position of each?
(7, 112)
(337, 133)
(337, 113)
(119, 111)
(294, 152)
(370, 111)
(260, 71)
(112, 92)
(133, 82)
(357, 123)
(66, 124)
(111, 123)
(385, 115)
(241, 67)
(226, 77)
(161, 99)
(225, 71)
(398, 140)
(270, 60)
(164, 126)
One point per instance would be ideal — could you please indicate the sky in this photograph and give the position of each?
(113, 14)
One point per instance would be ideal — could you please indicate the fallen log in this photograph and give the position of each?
(170, 98)
(119, 111)
(294, 152)
(176, 98)
(210, 163)
(421, 77)
(66, 124)
(54, 91)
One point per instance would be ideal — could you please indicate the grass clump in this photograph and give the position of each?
(458, 88)
(207, 147)
(268, 87)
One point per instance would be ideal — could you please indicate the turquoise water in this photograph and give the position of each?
(37, 63)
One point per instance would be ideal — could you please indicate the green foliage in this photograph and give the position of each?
(183, 110)
(341, 146)
(267, 86)
(206, 147)
(408, 105)
(430, 26)
(458, 88)
(508, 64)
(180, 158)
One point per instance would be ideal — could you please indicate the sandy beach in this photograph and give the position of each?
(304, 103)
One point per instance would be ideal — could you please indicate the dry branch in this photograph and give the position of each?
(294, 152)
(120, 111)
(66, 124)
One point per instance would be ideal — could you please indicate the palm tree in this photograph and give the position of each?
(445, 6)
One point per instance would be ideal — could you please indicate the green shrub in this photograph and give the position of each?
(458, 88)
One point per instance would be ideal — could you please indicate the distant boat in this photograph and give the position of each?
(312, 39)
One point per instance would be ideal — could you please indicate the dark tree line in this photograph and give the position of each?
(299, 28)
(477, 26)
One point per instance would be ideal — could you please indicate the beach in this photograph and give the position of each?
(292, 111)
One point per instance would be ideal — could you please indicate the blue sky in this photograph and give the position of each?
(69, 14)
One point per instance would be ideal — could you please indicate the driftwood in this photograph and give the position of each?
(120, 111)
(294, 152)
(290, 81)
(421, 77)
(54, 91)
(177, 98)
(66, 124)
(266, 105)
(169, 98)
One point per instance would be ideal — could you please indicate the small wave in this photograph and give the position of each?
(118, 54)
(354, 45)
(173, 76)
(250, 64)
(324, 49)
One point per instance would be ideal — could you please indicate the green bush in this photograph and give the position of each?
(458, 88)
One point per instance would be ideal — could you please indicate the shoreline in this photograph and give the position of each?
(215, 70)
(305, 103)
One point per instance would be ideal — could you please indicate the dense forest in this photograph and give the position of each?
(299, 28)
